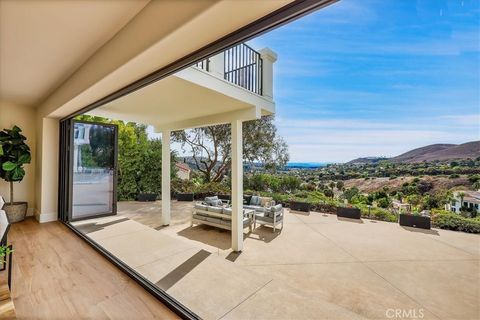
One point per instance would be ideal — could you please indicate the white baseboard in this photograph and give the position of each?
(46, 217)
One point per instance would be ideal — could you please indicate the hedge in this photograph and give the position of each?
(451, 221)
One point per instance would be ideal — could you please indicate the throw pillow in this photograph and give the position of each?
(255, 201)
(265, 201)
(210, 200)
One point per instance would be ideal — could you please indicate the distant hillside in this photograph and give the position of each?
(366, 160)
(413, 155)
(433, 152)
(440, 152)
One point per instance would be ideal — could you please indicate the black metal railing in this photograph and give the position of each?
(204, 64)
(243, 66)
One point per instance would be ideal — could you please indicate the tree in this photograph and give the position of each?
(332, 185)
(139, 158)
(328, 193)
(340, 185)
(210, 147)
(400, 196)
(461, 195)
(350, 193)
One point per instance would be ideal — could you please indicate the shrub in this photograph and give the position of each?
(451, 221)
(350, 193)
(383, 202)
(328, 193)
(376, 213)
(211, 188)
(182, 186)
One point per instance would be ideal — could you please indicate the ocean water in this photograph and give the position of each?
(306, 165)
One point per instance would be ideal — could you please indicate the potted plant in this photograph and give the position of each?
(185, 196)
(147, 187)
(414, 220)
(349, 212)
(183, 189)
(146, 196)
(14, 154)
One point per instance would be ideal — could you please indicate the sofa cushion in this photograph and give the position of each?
(255, 201)
(215, 209)
(264, 201)
(200, 206)
(217, 203)
(210, 200)
(227, 211)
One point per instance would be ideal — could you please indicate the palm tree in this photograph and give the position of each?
(462, 196)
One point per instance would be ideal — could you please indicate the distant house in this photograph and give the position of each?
(183, 170)
(401, 206)
(471, 200)
(81, 137)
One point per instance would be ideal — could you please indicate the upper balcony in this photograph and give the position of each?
(234, 84)
(241, 65)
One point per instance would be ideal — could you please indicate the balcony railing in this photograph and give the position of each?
(243, 66)
(204, 64)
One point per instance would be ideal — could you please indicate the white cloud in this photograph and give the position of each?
(340, 140)
(463, 119)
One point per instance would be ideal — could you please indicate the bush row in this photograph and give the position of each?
(451, 221)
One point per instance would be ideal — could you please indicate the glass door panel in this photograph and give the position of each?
(94, 160)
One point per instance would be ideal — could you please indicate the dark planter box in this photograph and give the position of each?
(225, 197)
(410, 220)
(185, 196)
(147, 197)
(300, 206)
(203, 195)
(352, 213)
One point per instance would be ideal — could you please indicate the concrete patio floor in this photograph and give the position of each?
(317, 267)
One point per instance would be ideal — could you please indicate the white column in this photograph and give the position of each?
(166, 178)
(217, 65)
(268, 59)
(237, 186)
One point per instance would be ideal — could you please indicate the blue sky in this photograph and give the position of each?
(377, 78)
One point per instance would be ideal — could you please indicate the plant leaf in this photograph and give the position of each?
(9, 166)
(18, 174)
(24, 158)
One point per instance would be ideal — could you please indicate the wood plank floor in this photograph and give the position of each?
(57, 275)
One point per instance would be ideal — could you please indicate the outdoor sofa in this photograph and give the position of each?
(215, 212)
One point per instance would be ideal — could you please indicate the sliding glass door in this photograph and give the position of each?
(93, 169)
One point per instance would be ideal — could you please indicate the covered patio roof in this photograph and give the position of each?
(201, 96)
(190, 98)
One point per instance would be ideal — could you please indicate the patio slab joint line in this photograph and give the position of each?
(249, 296)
